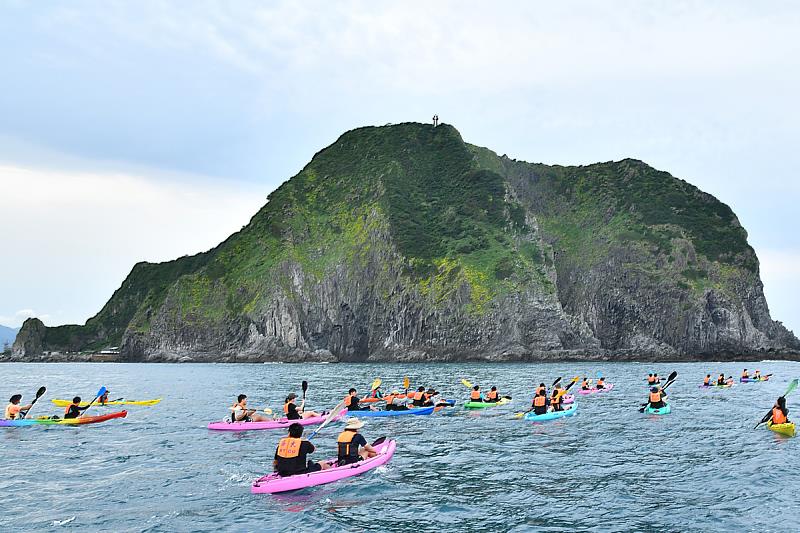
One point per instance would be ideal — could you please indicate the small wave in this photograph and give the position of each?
(63, 522)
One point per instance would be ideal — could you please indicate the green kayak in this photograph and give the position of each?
(484, 405)
(660, 411)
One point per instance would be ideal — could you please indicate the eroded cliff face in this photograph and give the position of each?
(403, 243)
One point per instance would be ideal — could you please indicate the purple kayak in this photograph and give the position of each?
(592, 391)
(274, 483)
(282, 423)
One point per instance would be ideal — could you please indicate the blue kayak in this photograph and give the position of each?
(415, 411)
(552, 415)
(659, 411)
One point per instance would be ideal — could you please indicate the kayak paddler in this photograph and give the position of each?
(292, 412)
(650, 379)
(475, 394)
(540, 403)
(102, 400)
(14, 409)
(556, 397)
(601, 384)
(241, 413)
(586, 384)
(430, 394)
(707, 380)
(394, 402)
(291, 454)
(656, 398)
(492, 396)
(352, 445)
(418, 398)
(745, 375)
(74, 409)
(757, 375)
(351, 402)
(780, 414)
(540, 387)
(656, 379)
(721, 379)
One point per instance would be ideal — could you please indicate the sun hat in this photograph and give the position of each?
(353, 423)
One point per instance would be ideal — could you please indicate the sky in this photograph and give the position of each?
(144, 131)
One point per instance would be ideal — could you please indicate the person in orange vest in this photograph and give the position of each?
(292, 412)
(74, 409)
(14, 409)
(475, 395)
(540, 387)
(418, 398)
(586, 384)
(757, 375)
(352, 445)
(292, 452)
(241, 413)
(707, 380)
(601, 384)
(780, 414)
(492, 396)
(745, 375)
(721, 379)
(650, 379)
(394, 402)
(656, 398)
(556, 397)
(540, 403)
(351, 402)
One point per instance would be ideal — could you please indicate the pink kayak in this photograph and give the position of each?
(568, 399)
(274, 483)
(282, 423)
(592, 391)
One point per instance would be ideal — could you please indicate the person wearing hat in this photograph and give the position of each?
(292, 452)
(656, 398)
(353, 446)
(293, 412)
(14, 409)
(394, 402)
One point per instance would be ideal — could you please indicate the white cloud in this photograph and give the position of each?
(780, 272)
(71, 237)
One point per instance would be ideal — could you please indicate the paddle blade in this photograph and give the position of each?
(792, 386)
(672, 376)
(333, 414)
(101, 392)
(466, 383)
(406, 382)
(376, 383)
(40, 392)
(556, 381)
(304, 386)
(519, 415)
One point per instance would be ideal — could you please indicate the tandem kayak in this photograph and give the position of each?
(415, 411)
(715, 386)
(62, 422)
(660, 411)
(274, 483)
(751, 380)
(281, 423)
(786, 429)
(64, 403)
(484, 405)
(552, 415)
(593, 391)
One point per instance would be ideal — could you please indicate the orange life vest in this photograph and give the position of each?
(286, 408)
(67, 408)
(651, 379)
(491, 395)
(556, 399)
(475, 396)
(540, 401)
(289, 447)
(777, 416)
(600, 382)
(389, 398)
(744, 375)
(346, 449)
(705, 380)
(418, 396)
(12, 411)
(585, 384)
(655, 397)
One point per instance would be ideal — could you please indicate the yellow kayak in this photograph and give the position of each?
(784, 429)
(64, 403)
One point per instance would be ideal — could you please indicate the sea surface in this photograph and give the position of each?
(608, 468)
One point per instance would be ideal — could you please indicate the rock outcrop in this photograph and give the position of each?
(403, 243)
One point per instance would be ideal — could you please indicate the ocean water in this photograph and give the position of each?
(608, 468)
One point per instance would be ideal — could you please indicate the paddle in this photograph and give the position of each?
(375, 385)
(406, 384)
(792, 386)
(304, 386)
(555, 382)
(99, 394)
(266, 410)
(466, 383)
(117, 400)
(670, 381)
(336, 410)
(39, 394)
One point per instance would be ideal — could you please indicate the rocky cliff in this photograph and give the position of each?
(405, 243)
